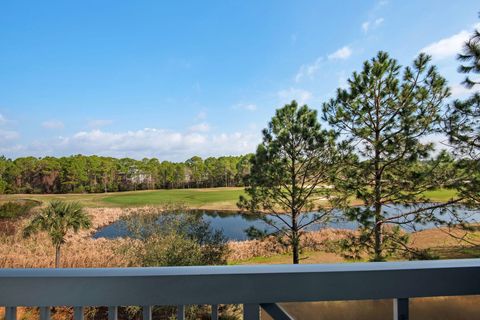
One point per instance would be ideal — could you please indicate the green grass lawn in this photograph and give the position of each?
(214, 198)
(224, 197)
(441, 195)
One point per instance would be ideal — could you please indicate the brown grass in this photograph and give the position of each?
(312, 241)
(80, 251)
(83, 251)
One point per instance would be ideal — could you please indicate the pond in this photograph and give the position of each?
(235, 224)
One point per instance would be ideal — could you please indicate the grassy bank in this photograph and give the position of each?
(218, 198)
(209, 198)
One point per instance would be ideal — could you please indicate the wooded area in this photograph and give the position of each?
(81, 173)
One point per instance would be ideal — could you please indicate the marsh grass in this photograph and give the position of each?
(82, 250)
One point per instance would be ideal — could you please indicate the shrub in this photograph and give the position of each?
(174, 238)
(16, 209)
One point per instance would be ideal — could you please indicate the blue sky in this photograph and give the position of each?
(177, 79)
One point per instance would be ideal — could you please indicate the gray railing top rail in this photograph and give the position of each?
(238, 284)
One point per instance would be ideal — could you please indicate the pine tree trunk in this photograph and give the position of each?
(295, 239)
(57, 256)
(378, 247)
(296, 252)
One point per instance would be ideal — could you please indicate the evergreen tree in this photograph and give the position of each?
(471, 59)
(462, 124)
(290, 172)
(383, 115)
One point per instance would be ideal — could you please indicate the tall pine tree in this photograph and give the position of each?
(384, 114)
(290, 173)
(462, 124)
(470, 57)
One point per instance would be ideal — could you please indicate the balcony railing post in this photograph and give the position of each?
(112, 313)
(400, 309)
(44, 313)
(181, 312)
(251, 311)
(10, 313)
(214, 312)
(276, 311)
(147, 312)
(255, 287)
(78, 313)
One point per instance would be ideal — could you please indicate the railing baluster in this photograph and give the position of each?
(251, 311)
(214, 311)
(147, 312)
(44, 313)
(276, 311)
(112, 313)
(400, 309)
(78, 313)
(10, 313)
(181, 312)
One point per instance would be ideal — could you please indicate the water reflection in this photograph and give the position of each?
(235, 224)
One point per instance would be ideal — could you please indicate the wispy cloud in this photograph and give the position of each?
(300, 95)
(2, 119)
(8, 135)
(53, 124)
(448, 47)
(97, 123)
(372, 24)
(200, 127)
(308, 70)
(342, 53)
(202, 115)
(374, 20)
(245, 106)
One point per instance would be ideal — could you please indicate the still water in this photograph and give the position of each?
(234, 224)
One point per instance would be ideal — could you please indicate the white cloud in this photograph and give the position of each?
(200, 127)
(459, 91)
(300, 95)
(447, 47)
(245, 106)
(8, 135)
(308, 70)
(372, 24)
(450, 46)
(2, 119)
(97, 123)
(53, 124)
(342, 53)
(150, 142)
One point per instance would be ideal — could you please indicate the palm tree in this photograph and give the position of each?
(57, 219)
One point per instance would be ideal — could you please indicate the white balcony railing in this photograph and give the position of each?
(253, 286)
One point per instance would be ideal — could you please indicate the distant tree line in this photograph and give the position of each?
(94, 174)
